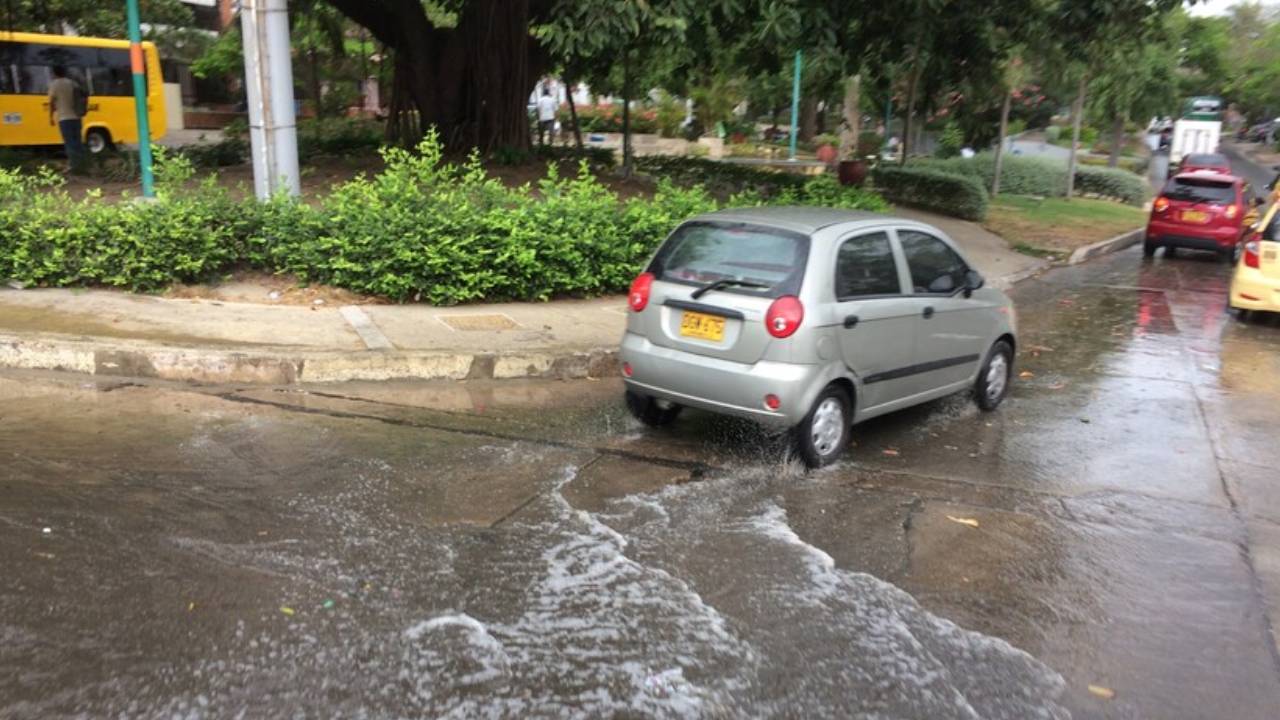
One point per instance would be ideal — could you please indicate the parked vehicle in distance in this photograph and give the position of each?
(1255, 284)
(1199, 211)
(1192, 137)
(811, 320)
(1211, 162)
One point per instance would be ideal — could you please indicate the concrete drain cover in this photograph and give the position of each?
(478, 322)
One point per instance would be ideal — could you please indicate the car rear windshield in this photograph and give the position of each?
(699, 253)
(1197, 190)
(1206, 160)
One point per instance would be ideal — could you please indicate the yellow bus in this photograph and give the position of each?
(99, 65)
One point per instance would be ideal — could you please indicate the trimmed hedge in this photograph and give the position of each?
(1042, 177)
(1112, 183)
(422, 229)
(721, 179)
(931, 189)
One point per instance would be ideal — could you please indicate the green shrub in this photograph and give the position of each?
(422, 229)
(231, 150)
(338, 136)
(930, 189)
(1112, 183)
(1053, 133)
(950, 141)
(721, 179)
(1131, 163)
(1018, 176)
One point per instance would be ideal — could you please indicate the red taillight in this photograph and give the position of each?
(1251, 258)
(626, 369)
(638, 297)
(772, 402)
(784, 316)
(1162, 204)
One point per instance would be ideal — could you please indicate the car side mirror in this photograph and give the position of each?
(972, 281)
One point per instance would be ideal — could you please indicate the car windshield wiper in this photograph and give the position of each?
(724, 283)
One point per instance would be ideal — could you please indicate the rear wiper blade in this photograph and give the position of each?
(724, 283)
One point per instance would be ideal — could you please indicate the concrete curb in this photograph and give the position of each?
(1004, 282)
(277, 366)
(1119, 242)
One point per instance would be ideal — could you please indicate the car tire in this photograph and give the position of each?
(97, 141)
(822, 436)
(1241, 314)
(651, 411)
(992, 385)
(1170, 251)
(1148, 248)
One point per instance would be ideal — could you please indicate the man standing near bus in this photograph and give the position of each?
(63, 110)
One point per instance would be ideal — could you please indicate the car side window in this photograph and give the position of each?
(866, 266)
(935, 267)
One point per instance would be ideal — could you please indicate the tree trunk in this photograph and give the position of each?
(471, 81)
(573, 113)
(852, 118)
(1077, 116)
(626, 113)
(1117, 140)
(808, 119)
(1004, 132)
(313, 67)
(913, 84)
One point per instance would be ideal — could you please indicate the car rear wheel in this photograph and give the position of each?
(652, 411)
(823, 435)
(1170, 252)
(994, 377)
(1148, 248)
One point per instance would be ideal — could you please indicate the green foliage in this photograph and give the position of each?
(1131, 163)
(930, 189)
(608, 119)
(719, 178)
(338, 136)
(1019, 175)
(950, 141)
(231, 150)
(1112, 183)
(422, 229)
(671, 114)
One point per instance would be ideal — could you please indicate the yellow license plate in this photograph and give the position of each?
(1194, 216)
(701, 326)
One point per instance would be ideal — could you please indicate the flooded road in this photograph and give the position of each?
(525, 549)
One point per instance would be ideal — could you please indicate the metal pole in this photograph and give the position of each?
(795, 104)
(140, 98)
(268, 69)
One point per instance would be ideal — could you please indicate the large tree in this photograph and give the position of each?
(465, 67)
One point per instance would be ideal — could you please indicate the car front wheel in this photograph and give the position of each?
(652, 411)
(823, 435)
(993, 379)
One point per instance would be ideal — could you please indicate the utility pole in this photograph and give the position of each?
(139, 70)
(268, 70)
(795, 104)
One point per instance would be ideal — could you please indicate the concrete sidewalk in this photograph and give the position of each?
(114, 333)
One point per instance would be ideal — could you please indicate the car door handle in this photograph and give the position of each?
(851, 321)
(928, 312)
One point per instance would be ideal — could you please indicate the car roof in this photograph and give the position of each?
(1207, 175)
(1206, 159)
(806, 220)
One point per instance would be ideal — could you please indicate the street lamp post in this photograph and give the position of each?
(140, 98)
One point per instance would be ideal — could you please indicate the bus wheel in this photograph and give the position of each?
(97, 140)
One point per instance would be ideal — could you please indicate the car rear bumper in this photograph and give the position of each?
(1251, 290)
(719, 386)
(1170, 234)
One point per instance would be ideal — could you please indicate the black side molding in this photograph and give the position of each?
(702, 308)
(919, 368)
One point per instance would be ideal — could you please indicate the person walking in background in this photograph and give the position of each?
(547, 107)
(64, 110)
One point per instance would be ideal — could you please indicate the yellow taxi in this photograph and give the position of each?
(1255, 285)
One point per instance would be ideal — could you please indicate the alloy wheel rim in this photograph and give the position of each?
(96, 144)
(828, 426)
(997, 376)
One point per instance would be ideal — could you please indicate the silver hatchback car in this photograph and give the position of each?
(811, 319)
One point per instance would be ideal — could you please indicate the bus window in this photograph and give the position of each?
(33, 79)
(8, 80)
(112, 75)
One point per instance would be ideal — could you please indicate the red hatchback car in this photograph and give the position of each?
(1199, 211)
(1211, 162)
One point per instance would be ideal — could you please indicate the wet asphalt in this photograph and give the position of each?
(525, 549)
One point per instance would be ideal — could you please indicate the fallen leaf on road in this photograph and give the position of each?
(286, 610)
(1105, 693)
(191, 606)
(1026, 374)
(1057, 386)
(891, 452)
(963, 521)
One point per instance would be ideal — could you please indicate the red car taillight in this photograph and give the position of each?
(784, 316)
(1251, 258)
(1161, 204)
(638, 297)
